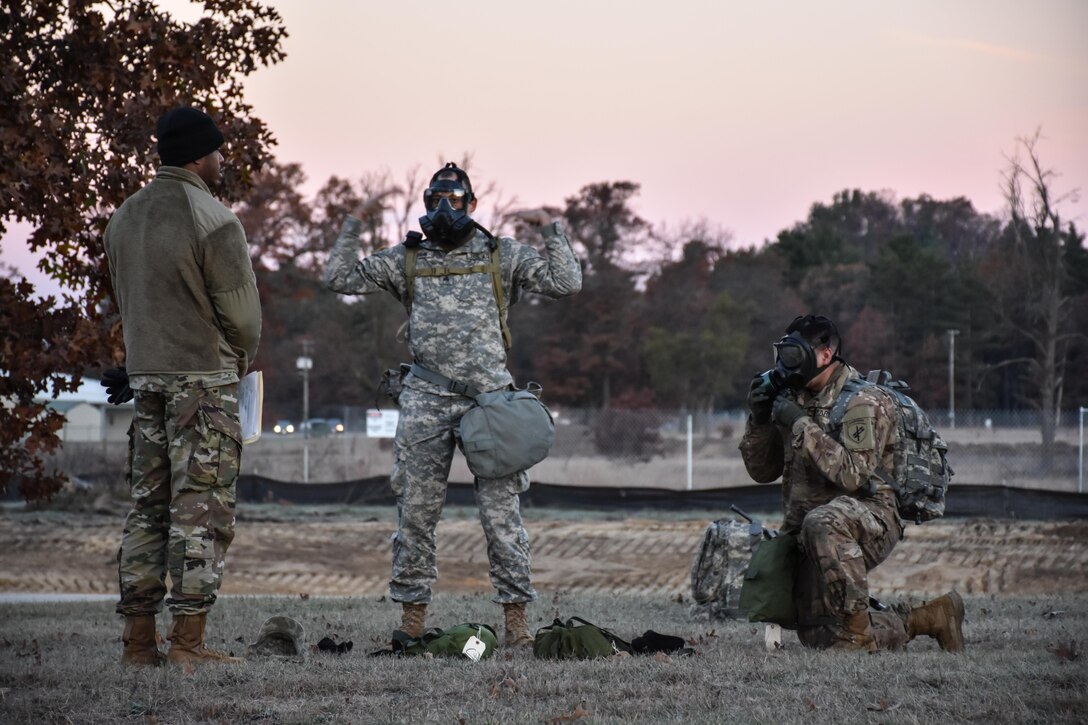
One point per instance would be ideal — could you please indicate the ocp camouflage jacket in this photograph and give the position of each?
(816, 467)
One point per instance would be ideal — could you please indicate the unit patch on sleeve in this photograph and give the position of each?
(857, 429)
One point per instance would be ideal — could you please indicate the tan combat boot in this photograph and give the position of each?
(941, 619)
(187, 643)
(517, 626)
(141, 647)
(412, 619)
(856, 633)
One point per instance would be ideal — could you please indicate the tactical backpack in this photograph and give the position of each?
(920, 474)
(470, 640)
(717, 571)
(576, 639)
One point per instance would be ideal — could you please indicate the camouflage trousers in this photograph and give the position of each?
(841, 542)
(184, 457)
(423, 453)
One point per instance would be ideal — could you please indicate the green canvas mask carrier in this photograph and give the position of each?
(576, 639)
(767, 594)
(470, 640)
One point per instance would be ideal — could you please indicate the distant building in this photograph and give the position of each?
(90, 417)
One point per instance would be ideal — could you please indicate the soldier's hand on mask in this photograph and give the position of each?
(786, 411)
(373, 206)
(760, 399)
(535, 217)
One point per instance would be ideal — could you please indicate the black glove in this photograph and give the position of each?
(786, 411)
(761, 398)
(115, 381)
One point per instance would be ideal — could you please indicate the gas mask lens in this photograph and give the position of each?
(456, 197)
(791, 355)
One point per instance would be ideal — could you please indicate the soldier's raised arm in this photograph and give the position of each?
(557, 272)
(346, 273)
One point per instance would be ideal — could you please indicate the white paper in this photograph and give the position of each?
(381, 423)
(250, 405)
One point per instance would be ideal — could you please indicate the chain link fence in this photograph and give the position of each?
(653, 448)
(650, 448)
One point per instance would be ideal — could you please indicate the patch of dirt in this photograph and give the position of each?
(72, 554)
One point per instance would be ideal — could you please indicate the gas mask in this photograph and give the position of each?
(795, 361)
(447, 220)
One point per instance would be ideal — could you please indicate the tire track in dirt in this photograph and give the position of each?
(651, 557)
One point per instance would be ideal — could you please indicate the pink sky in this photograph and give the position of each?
(740, 114)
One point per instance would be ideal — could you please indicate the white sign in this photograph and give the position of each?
(381, 423)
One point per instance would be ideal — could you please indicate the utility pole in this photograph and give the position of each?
(304, 365)
(952, 377)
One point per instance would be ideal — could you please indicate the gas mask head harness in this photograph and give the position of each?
(447, 200)
(795, 354)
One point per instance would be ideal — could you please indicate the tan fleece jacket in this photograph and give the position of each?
(183, 280)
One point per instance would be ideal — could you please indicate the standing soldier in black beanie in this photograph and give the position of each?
(184, 283)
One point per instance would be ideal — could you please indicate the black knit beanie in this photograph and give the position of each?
(186, 134)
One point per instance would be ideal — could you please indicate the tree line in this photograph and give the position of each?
(684, 320)
(676, 320)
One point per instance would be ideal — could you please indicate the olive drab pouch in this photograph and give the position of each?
(576, 639)
(920, 472)
(767, 592)
(470, 640)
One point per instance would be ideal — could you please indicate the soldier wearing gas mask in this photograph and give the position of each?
(457, 282)
(844, 515)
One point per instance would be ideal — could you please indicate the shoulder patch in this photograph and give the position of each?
(857, 428)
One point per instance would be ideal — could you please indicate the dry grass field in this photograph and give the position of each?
(1024, 664)
(1025, 582)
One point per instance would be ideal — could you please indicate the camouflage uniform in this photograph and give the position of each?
(184, 457)
(191, 314)
(846, 518)
(454, 330)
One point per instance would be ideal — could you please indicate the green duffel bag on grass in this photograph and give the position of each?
(576, 639)
(471, 640)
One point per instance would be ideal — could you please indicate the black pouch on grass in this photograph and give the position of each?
(652, 642)
(767, 593)
(576, 639)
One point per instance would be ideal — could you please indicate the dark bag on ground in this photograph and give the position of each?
(576, 639)
(767, 593)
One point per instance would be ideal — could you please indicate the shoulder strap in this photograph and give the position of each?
(411, 254)
(849, 390)
(500, 298)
